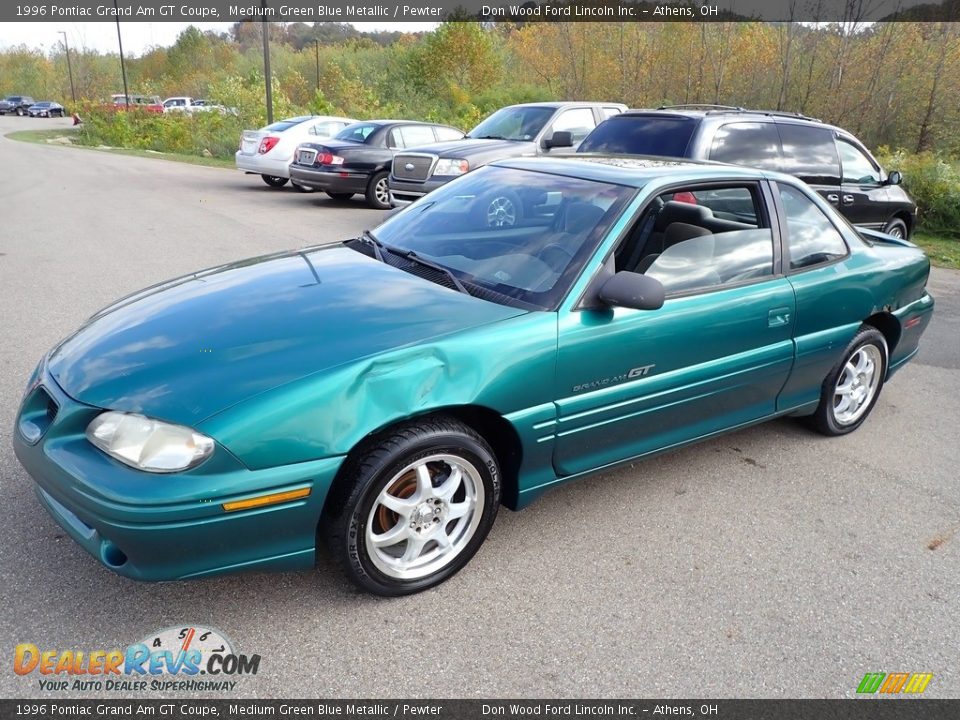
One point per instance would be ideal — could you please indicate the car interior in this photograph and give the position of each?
(693, 239)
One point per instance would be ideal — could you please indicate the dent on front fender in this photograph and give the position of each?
(505, 367)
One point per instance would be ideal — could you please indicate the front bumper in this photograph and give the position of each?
(404, 192)
(166, 527)
(261, 165)
(339, 181)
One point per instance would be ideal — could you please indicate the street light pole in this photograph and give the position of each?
(123, 67)
(66, 47)
(316, 43)
(266, 63)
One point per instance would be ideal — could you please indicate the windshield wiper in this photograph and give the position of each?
(488, 137)
(411, 255)
(378, 248)
(371, 240)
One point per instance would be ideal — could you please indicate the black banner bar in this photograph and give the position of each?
(309, 11)
(853, 709)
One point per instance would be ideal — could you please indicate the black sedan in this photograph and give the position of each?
(45, 109)
(358, 158)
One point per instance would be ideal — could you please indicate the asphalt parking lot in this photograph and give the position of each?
(767, 563)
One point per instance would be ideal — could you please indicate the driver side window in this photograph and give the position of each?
(577, 121)
(701, 239)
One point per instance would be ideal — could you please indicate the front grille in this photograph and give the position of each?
(37, 415)
(50, 405)
(413, 167)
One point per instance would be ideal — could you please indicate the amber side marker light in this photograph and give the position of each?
(262, 500)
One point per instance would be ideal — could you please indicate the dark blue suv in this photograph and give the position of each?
(829, 159)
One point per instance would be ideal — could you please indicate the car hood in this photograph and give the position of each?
(189, 348)
(468, 148)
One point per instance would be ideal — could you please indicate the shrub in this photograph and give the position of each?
(934, 183)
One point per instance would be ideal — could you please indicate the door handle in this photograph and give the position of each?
(834, 198)
(778, 317)
(848, 199)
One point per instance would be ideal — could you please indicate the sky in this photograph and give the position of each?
(137, 36)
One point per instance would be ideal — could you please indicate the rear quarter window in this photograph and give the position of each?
(644, 135)
(810, 153)
(748, 143)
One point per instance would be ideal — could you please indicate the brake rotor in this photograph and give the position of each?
(404, 487)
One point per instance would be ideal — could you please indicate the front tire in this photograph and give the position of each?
(378, 192)
(20, 112)
(853, 386)
(274, 181)
(414, 507)
(897, 228)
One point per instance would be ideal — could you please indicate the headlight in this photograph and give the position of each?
(148, 444)
(451, 167)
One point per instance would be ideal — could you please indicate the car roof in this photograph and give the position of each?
(572, 103)
(397, 122)
(635, 170)
(723, 112)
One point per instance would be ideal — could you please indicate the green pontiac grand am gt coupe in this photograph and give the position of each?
(383, 396)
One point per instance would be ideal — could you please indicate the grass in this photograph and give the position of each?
(943, 251)
(42, 137)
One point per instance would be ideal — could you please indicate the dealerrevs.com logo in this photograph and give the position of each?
(190, 658)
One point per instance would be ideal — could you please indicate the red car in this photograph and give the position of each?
(146, 103)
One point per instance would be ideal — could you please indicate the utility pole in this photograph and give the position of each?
(316, 43)
(66, 47)
(266, 62)
(123, 67)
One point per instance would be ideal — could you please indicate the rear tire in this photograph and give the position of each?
(851, 389)
(20, 112)
(413, 508)
(274, 181)
(378, 192)
(342, 197)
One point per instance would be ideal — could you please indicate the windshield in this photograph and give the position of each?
(282, 125)
(511, 236)
(641, 135)
(514, 123)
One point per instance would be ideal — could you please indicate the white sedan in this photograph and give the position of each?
(267, 152)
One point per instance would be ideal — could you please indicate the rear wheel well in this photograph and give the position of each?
(889, 327)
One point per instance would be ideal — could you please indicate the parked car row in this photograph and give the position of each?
(395, 162)
(26, 105)
(358, 158)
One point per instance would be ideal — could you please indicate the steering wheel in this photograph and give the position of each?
(556, 256)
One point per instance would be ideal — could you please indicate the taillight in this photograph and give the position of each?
(267, 144)
(685, 197)
(329, 159)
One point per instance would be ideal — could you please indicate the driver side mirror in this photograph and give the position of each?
(632, 290)
(894, 178)
(561, 138)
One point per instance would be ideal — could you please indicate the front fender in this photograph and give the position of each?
(507, 367)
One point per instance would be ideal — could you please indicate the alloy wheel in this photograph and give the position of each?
(857, 384)
(425, 516)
